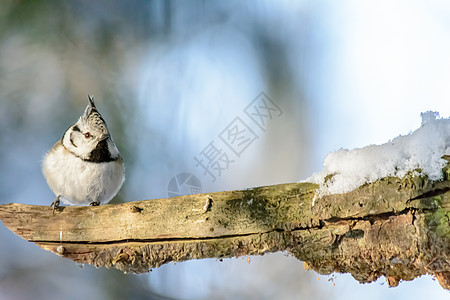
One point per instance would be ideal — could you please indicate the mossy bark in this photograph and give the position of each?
(398, 228)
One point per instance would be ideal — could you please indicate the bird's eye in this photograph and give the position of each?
(87, 135)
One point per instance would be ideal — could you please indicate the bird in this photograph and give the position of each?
(84, 166)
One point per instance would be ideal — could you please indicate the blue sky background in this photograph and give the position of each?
(169, 77)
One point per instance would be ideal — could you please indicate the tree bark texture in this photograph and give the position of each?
(398, 228)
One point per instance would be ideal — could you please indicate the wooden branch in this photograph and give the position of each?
(398, 228)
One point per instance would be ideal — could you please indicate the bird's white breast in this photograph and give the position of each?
(81, 182)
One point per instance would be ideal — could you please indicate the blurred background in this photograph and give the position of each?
(169, 77)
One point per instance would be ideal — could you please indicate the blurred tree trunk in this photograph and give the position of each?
(394, 227)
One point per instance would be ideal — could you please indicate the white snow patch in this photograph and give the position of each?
(420, 150)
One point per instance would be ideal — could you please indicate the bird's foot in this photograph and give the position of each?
(94, 203)
(55, 203)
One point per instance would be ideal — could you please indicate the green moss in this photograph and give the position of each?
(446, 172)
(328, 178)
(414, 179)
(430, 203)
(439, 222)
(437, 199)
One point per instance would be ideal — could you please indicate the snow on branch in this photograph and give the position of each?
(420, 152)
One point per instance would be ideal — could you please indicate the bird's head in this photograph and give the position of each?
(89, 138)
